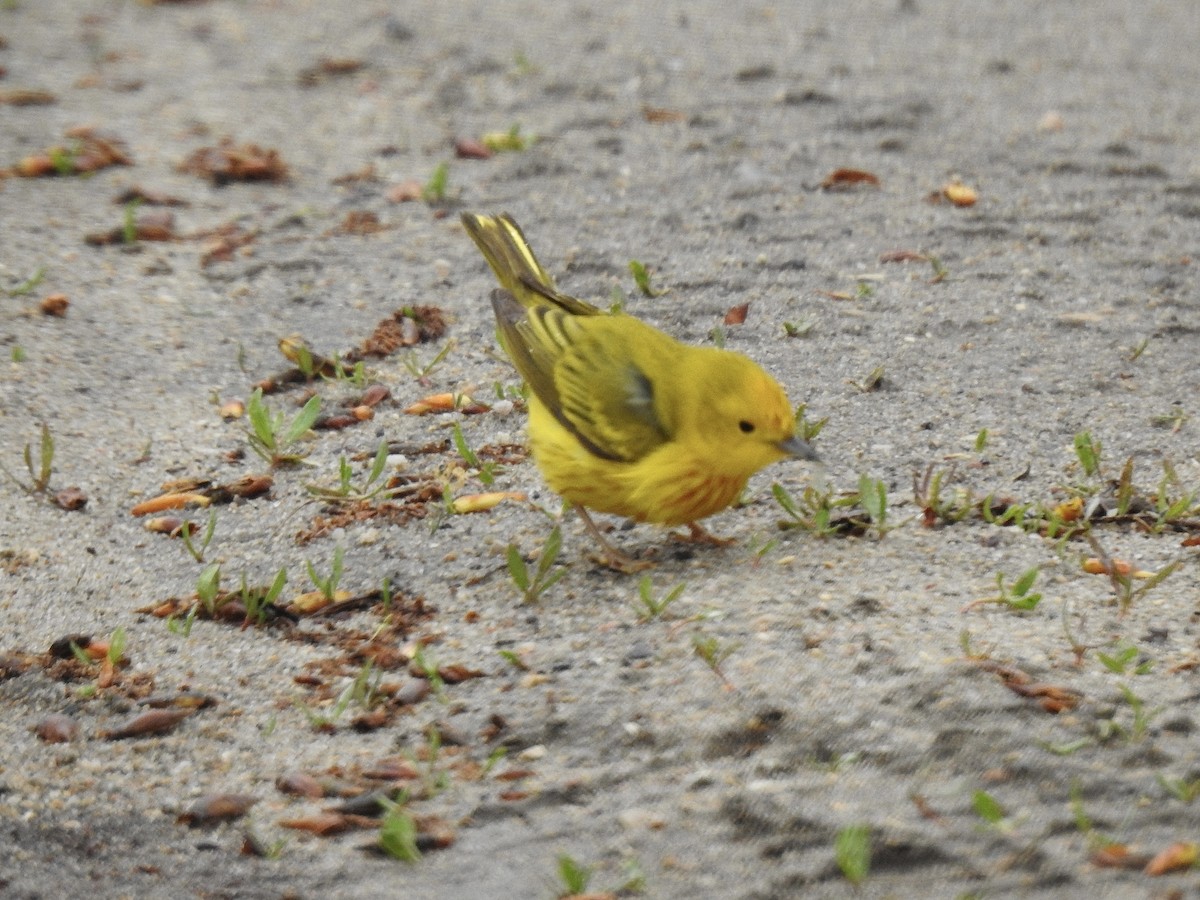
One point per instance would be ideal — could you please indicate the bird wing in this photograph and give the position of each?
(583, 369)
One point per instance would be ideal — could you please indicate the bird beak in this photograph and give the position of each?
(793, 446)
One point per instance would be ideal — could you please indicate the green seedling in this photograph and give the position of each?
(398, 832)
(1122, 658)
(256, 601)
(872, 495)
(63, 158)
(532, 586)
(362, 692)
(1136, 351)
(1067, 747)
(852, 850)
(873, 381)
(373, 486)
(1173, 420)
(710, 649)
(486, 470)
(988, 809)
(797, 329)
(183, 627)
(1182, 789)
(208, 587)
(328, 585)
(573, 875)
(864, 290)
(271, 437)
(940, 272)
(1083, 822)
(506, 141)
(129, 230)
(927, 493)
(717, 336)
(806, 428)
(1020, 597)
(17, 354)
(1139, 719)
(261, 848)
(1087, 450)
(514, 659)
(494, 759)
(196, 547)
(522, 65)
(29, 285)
(649, 608)
(435, 189)
(422, 371)
(428, 667)
(813, 512)
(641, 277)
(39, 475)
(981, 440)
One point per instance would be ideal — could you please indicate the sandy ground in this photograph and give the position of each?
(693, 137)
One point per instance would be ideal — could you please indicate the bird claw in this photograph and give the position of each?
(619, 562)
(700, 535)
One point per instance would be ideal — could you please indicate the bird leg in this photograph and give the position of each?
(700, 535)
(610, 556)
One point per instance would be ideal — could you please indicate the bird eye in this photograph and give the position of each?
(746, 427)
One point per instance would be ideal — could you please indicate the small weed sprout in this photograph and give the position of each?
(208, 588)
(988, 809)
(428, 667)
(373, 486)
(398, 832)
(1120, 660)
(39, 475)
(544, 576)
(270, 437)
(648, 608)
(422, 371)
(710, 649)
(641, 277)
(1020, 597)
(852, 851)
(573, 875)
(487, 471)
(328, 585)
(1182, 789)
(195, 547)
(435, 189)
(29, 285)
(807, 429)
(257, 601)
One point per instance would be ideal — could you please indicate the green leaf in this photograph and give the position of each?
(304, 421)
(398, 836)
(517, 569)
(987, 807)
(379, 464)
(1025, 582)
(853, 852)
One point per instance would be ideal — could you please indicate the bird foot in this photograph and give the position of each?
(700, 535)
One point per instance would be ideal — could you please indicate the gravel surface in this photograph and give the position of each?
(988, 751)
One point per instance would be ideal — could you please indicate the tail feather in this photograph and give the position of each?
(503, 245)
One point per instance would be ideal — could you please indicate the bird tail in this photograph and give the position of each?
(503, 245)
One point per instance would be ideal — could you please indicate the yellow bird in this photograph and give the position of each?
(624, 419)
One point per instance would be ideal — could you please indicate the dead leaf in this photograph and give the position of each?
(470, 148)
(1118, 856)
(26, 97)
(898, 256)
(843, 179)
(54, 305)
(406, 191)
(57, 728)
(153, 721)
(214, 808)
(657, 115)
(959, 194)
(1178, 856)
(473, 503)
(227, 162)
(736, 315)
